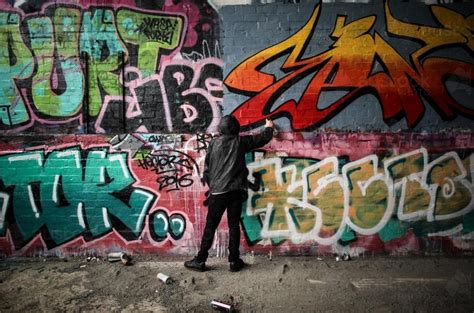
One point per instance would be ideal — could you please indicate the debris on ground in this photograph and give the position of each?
(422, 284)
(221, 306)
(164, 278)
(119, 256)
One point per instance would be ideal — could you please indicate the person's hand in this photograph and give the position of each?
(268, 123)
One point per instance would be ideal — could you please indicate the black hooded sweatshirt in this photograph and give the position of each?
(225, 169)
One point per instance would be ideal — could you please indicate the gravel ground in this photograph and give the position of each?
(299, 284)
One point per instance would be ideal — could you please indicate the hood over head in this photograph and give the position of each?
(229, 125)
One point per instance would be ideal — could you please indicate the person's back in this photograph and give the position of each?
(225, 169)
(225, 172)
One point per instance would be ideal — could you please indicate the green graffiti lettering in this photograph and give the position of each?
(151, 33)
(16, 62)
(100, 41)
(57, 86)
(161, 225)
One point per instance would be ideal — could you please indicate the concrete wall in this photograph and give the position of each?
(107, 110)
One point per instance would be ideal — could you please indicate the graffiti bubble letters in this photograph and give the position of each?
(310, 200)
(399, 87)
(162, 225)
(70, 192)
(174, 168)
(185, 94)
(77, 54)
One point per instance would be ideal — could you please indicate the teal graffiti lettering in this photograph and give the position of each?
(161, 225)
(103, 47)
(16, 63)
(62, 196)
(58, 84)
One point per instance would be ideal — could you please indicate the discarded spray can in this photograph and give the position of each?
(164, 278)
(114, 256)
(126, 259)
(222, 306)
(119, 256)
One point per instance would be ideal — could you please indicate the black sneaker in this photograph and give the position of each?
(195, 265)
(237, 265)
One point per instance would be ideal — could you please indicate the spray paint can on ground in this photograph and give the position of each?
(119, 256)
(164, 278)
(221, 306)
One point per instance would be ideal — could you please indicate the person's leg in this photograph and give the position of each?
(215, 211)
(234, 211)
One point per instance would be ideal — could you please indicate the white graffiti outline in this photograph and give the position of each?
(133, 106)
(433, 188)
(402, 184)
(3, 211)
(363, 185)
(343, 180)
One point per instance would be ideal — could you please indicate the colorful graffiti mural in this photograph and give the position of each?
(144, 191)
(110, 69)
(60, 194)
(359, 62)
(319, 200)
(56, 189)
(107, 111)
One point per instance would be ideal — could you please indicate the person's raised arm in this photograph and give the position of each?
(259, 140)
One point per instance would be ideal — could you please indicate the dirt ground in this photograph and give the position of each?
(282, 284)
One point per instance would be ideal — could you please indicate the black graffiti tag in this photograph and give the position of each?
(202, 141)
(174, 168)
(174, 181)
(159, 29)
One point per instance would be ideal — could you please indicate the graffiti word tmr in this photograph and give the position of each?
(304, 199)
(70, 192)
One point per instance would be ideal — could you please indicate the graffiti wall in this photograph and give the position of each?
(107, 109)
(397, 193)
(379, 66)
(85, 67)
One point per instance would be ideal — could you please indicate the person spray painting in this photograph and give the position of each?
(225, 172)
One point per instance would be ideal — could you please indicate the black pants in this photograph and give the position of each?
(232, 201)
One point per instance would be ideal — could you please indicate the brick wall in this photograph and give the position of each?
(107, 111)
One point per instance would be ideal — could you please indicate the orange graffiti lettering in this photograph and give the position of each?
(349, 66)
